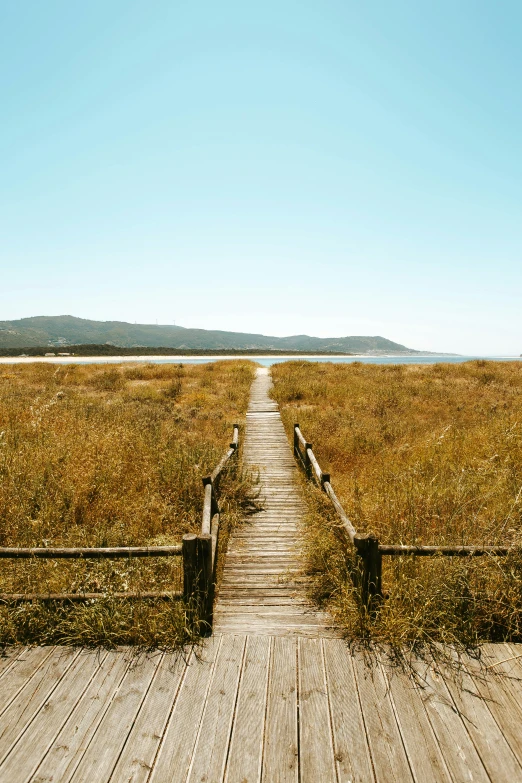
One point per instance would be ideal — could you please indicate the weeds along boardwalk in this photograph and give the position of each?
(263, 590)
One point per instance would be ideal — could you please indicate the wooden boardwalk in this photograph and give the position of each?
(263, 590)
(246, 709)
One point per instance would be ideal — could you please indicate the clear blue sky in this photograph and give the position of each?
(329, 168)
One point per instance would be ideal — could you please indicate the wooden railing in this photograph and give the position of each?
(368, 548)
(199, 555)
(200, 551)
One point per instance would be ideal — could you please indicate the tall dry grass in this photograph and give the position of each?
(92, 455)
(417, 455)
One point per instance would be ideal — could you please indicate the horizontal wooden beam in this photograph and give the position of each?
(90, 552)
(232, 450)
(18, 598)
(315, 465)
(451, 551)
(341, 513)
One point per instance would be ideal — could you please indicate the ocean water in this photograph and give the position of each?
(266, 361)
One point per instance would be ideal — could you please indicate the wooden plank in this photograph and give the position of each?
(24, 758)
(277, 629)
(351, 753)
(67, 749)
(315, 732)
(254, 602)
(27, 703)
(496, 689)
(98, 761)
(286, 614)
(449, 727)
(422, 749)
(7, 659)
(246, 746)
(280, 758)
(210, 754)
(23, 668)
(495, 753)
(179, 739)
(389, 758)
(137, 758)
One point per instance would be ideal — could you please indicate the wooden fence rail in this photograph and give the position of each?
(200, 552)
(54, 553)
(199, 555)
(370, 551)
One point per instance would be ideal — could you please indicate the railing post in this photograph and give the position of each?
(205, 581)
(308, 464)
(189, 549)
(374, 573)
(296, 440)
(371, 572)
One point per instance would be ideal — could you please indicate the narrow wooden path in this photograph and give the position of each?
(263, 590)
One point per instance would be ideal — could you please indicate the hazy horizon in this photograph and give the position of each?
(330, 169)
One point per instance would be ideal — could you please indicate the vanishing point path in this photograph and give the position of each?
(272, 697)
(263, 590)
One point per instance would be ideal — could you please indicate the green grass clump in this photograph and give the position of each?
(91, 456)
(418, 455)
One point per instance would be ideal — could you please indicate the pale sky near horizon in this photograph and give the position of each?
(329, 168)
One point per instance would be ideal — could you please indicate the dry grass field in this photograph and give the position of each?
(418, 455)
(92, 455)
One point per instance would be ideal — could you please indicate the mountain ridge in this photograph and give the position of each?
(65, 330)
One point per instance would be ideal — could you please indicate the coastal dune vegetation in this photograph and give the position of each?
(97, 456)
(425, 455)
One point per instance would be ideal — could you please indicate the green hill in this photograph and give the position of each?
(64, 330)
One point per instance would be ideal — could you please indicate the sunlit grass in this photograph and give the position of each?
(417, 455)
(97, 456)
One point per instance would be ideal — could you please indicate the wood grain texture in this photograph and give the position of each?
(449, 727)
(281, 751)
(99, 759)
(387, 751)
(24, 667)
(351, 753)
(210, 754)
(36, 740)
(177, 748)
(488, 738)
(259, 708)
(137, 758)
(422, 749)
(32, 697)
(76, 734)
(246, 745)
(316, 755)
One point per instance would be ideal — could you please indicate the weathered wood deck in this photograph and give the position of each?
(255, 708)
(263, 589)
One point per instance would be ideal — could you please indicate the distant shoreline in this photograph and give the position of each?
(72, 359)
(266, 357)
